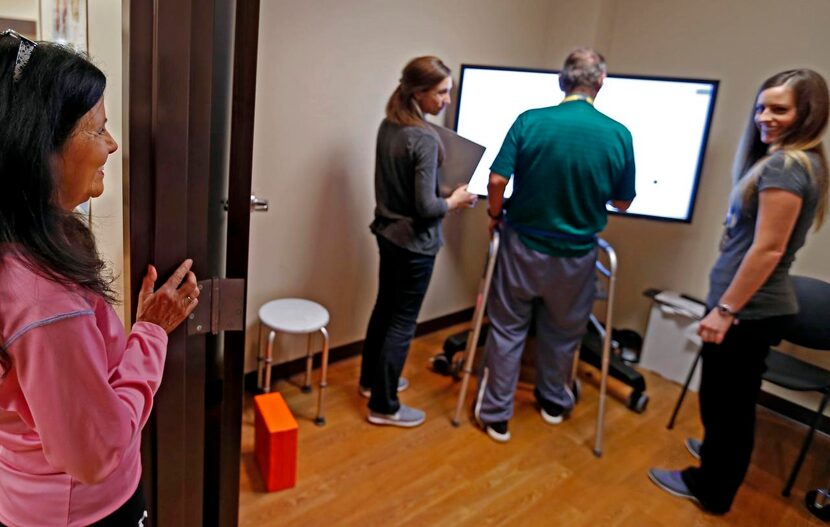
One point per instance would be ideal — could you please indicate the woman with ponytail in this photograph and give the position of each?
(407, 226)
(780, 191)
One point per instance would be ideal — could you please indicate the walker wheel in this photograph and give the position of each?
(639, 403)
(822, 513)
(441, 365)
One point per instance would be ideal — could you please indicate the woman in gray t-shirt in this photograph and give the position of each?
(407, 225)
(779, 193)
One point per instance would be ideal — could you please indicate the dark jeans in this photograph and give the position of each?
(131, 514)
(404, 278)
(729, 386)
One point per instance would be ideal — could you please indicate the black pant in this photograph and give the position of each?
(404, 278)
(129, 514)
(730, 382)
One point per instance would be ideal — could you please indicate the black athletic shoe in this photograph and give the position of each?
(498, 431)
(552, 413)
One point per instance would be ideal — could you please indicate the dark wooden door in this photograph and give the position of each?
(184, 157)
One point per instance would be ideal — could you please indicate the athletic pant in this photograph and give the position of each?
(559, 292)
(404, 278)
(729, 386)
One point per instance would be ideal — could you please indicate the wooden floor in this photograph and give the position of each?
(354, 473)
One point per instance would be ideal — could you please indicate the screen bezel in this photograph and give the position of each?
(703, 144)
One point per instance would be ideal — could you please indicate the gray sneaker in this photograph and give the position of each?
(403, 384)
(672, 482)
(405, 416)
(693, 446)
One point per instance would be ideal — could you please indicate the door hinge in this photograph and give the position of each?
(221, 307)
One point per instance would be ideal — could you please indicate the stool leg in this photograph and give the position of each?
(269, 353)
(308, 362)
(260, 360)
(321, 420)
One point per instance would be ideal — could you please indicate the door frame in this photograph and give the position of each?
(191, 444)
(240, 171)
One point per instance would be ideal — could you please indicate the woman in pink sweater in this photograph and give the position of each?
(75, 391)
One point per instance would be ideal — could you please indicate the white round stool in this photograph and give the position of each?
(296, 316)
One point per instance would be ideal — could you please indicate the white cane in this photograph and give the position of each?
(478, 317)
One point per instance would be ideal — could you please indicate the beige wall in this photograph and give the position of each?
(19, 9)
(326, 69)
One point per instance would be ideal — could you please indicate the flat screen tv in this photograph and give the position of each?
(669, 120)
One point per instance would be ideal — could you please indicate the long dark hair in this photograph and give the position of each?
(812, 110)
(38, 112)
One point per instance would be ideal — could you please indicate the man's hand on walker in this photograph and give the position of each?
(494, 225)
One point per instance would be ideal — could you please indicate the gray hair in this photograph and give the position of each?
(584, 67)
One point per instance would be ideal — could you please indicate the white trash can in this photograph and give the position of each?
(671, 341)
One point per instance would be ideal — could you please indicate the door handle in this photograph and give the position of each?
(259, 204)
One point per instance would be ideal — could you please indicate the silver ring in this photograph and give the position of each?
(189, 299)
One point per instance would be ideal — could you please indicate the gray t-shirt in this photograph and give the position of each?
(776, 296)
(408, 208)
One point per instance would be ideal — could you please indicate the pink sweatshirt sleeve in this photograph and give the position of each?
(85, 415)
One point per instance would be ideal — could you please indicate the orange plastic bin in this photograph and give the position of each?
(275, 443)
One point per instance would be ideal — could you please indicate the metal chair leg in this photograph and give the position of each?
(805, 445)
(309, 356)
(684, 390)
(324, 368)
(260, 360)
(269, 355)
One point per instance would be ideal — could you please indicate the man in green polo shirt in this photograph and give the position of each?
(566, 162)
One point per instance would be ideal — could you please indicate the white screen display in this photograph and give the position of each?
(668, 119)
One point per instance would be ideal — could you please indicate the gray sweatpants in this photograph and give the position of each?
(559, 292)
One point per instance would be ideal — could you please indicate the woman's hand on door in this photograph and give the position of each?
(172, 302)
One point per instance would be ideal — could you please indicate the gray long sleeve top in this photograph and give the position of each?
(408, 208)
